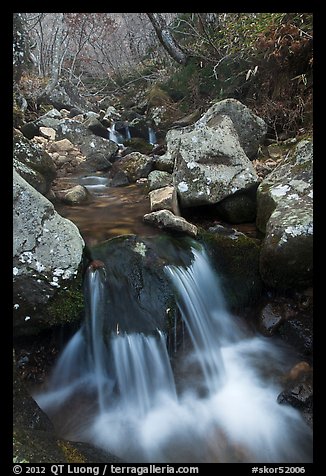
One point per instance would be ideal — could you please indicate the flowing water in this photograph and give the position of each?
(112, 211)
(120, 391)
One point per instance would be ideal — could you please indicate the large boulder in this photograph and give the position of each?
(285, 214)
(250, 128)
(210, 163)
(33, 163)
(47, 252)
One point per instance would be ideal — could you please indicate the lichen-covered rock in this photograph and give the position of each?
(164, 199)
(250, 128)
(167, 220)
(47, 252)
(236, 259)
(28, 155)
(159, 179)
(285, 214)
(210, 163)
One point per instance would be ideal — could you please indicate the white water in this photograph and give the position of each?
(226, 406)
(151, 136)
(115, 136)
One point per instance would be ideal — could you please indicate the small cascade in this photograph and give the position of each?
(114, 136)
(127, 132)
(151, 136)
(131, 404)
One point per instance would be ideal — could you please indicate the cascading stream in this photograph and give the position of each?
(140, 416)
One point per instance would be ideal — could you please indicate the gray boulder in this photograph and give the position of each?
(285, 214)
(251, 129)
(33, 163)
(210, 163)
(47, 252)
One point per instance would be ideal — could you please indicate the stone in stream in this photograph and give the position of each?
(167, 220)
(164, 198)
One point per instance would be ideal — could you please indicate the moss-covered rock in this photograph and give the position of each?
(138, 144)
(138, 295)
(236, 259)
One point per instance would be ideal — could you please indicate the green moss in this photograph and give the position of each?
(72, 455)
(236, 260)
(67, 304)
(138, 144)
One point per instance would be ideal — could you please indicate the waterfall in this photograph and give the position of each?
(114, 136)
(151, 136)
(127, 132)
(220, 406)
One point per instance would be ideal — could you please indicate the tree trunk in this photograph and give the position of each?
(166, 39)
(57, 56)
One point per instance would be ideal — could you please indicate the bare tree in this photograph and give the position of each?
(166, 38)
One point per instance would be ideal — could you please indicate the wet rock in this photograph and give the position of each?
(235, 257)
(47, 252)
(270, 319)
(35, 439)
(33, 164)
(285, 214)
(159, 179)
(298, 391)
(167, 220)
(77, 195)
(138, 292)
(250, 128)
(164, 199)
(298, 332)
(138, 144)
(120, 179)
(30, 130)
